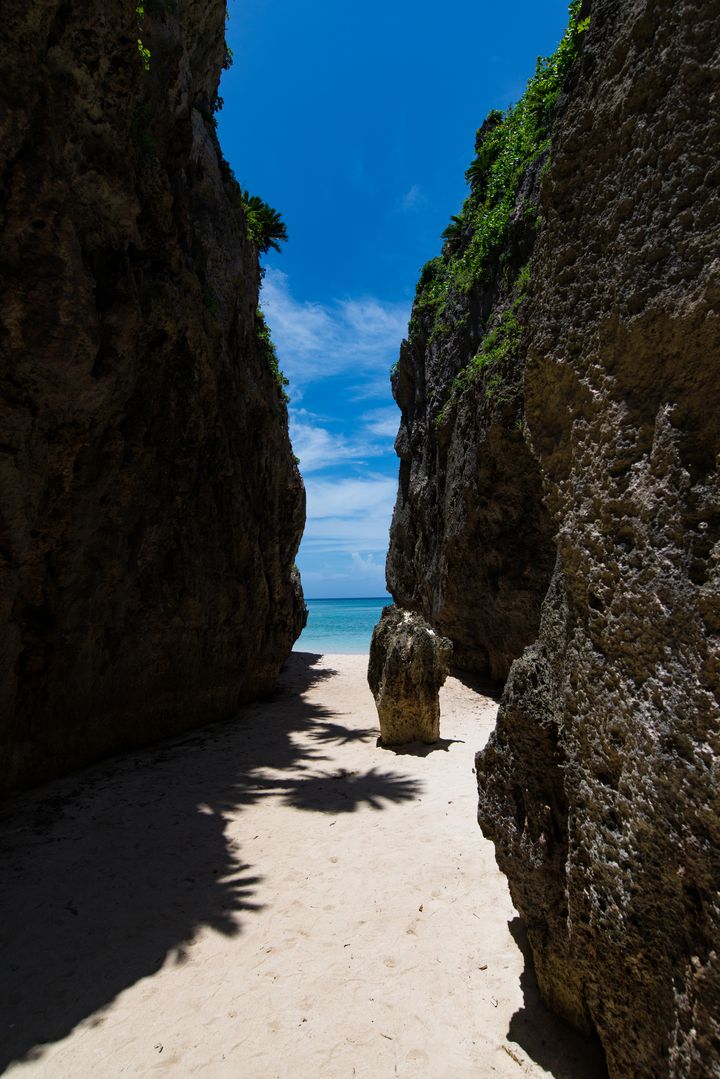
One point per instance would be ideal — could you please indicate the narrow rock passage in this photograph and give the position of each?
(270, 898)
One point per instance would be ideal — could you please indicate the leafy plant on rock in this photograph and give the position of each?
(265, 225)
(267, 350)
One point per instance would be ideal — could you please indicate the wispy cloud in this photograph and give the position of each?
(351, 515)
(319, 448)
(345, 441)
(383, 422)
(320, 340)
(372, 388)
(413, 199)
(366, 567)
(358, 566)
(352, 498)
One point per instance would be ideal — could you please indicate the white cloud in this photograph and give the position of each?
(413, 199)
(323, 575)
(319, 448)
(352, 497)
(318, 341)
(349, 515)
(373, 387)
(366, 567)
(383, 422)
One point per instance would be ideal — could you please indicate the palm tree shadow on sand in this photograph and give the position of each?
(109, 874)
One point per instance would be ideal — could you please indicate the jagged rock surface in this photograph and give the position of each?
(150, 509)
(600, 785)
(408, 666)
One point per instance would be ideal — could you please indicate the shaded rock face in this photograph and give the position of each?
(600, 785)
(408, 666)
(471, 542)
(150, 508)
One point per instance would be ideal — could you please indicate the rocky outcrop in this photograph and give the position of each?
(600, 785)
(150, 508)
(408, 667)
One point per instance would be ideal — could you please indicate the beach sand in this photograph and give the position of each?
(272, 897)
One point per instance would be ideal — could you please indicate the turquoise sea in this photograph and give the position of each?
(340, 625)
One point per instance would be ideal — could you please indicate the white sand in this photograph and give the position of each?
(277, 897)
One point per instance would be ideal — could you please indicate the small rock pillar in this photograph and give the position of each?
(409, 663)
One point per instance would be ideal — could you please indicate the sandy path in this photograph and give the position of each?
(272, 898)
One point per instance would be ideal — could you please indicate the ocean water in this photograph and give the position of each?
(340, 625)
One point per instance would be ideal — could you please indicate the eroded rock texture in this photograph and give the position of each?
(150, 509)
(600, 785)
(408, 666)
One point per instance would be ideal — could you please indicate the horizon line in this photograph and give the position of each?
(386, 596)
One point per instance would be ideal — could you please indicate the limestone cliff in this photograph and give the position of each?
(150, 508)
(471, 540)
(600, 785)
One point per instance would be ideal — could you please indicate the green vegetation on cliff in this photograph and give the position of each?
(266, 229)
(495, 355)
(507, 145)
(265, 225)
(267, 349)
(476, 244)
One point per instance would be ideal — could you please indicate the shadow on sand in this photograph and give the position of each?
(479, 683)
(108, 875)
(421, 749)
(556, 1047)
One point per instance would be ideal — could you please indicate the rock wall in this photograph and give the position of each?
(150, 508)
(600, 785)
(471, 540)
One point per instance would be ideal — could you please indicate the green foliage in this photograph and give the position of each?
(144, 54)
(494, 359)
(151, 7)
(228, 177)
(267, 349)
(265, 225)
(229, 58)
(509, 143)
(142, 49)
(209, 107)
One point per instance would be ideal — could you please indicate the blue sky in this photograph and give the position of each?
(357, 121)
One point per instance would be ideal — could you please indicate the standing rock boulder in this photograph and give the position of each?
(408, 665)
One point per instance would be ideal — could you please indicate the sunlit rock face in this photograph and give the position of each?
(600, 785)
(408, 666)
(150, 508)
